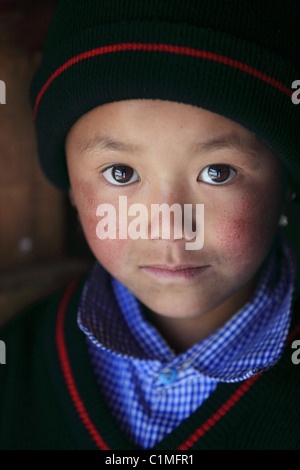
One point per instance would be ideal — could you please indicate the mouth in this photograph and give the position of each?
(175, 272)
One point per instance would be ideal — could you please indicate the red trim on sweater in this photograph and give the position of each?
(210, 422)
(246, 385)
(181, 50)
(67, 371)
(79, 405)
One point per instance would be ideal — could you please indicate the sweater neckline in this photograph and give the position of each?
(89, 417)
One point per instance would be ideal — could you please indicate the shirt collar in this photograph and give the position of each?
(112, 318)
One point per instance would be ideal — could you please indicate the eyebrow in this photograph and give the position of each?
(231, 141)
(100, 142)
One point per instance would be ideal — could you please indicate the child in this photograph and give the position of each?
(166, 346)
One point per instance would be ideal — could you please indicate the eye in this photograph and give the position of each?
(217, 174)
(120, 175)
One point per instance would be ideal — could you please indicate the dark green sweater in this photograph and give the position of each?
(49, 397)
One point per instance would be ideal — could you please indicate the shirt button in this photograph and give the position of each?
(167, 377)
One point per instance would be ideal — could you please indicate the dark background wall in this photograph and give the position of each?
(41, 246)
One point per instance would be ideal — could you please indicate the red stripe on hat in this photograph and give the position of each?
(180, 50)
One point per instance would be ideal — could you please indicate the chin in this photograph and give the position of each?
(173, 309)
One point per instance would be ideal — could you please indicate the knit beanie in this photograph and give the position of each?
(239, 59)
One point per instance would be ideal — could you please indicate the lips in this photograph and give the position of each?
(174, 272)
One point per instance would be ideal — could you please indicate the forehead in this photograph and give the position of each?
(131, 126)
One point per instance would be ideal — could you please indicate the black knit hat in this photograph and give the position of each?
(236, 58)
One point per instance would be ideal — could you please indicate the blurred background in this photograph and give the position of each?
(41, 244)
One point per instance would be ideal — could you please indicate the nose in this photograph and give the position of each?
(170, 222)
(171, 215)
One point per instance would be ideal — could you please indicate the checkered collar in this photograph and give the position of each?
(252, 340)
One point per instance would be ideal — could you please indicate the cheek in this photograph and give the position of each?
(109, 253)
(246, 231)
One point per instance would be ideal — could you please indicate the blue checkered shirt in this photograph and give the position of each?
(151, 390)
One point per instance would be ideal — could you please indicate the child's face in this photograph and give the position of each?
(171, 147)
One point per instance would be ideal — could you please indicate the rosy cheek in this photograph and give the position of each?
(109, 252)
(245, 231)
(233, 234)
